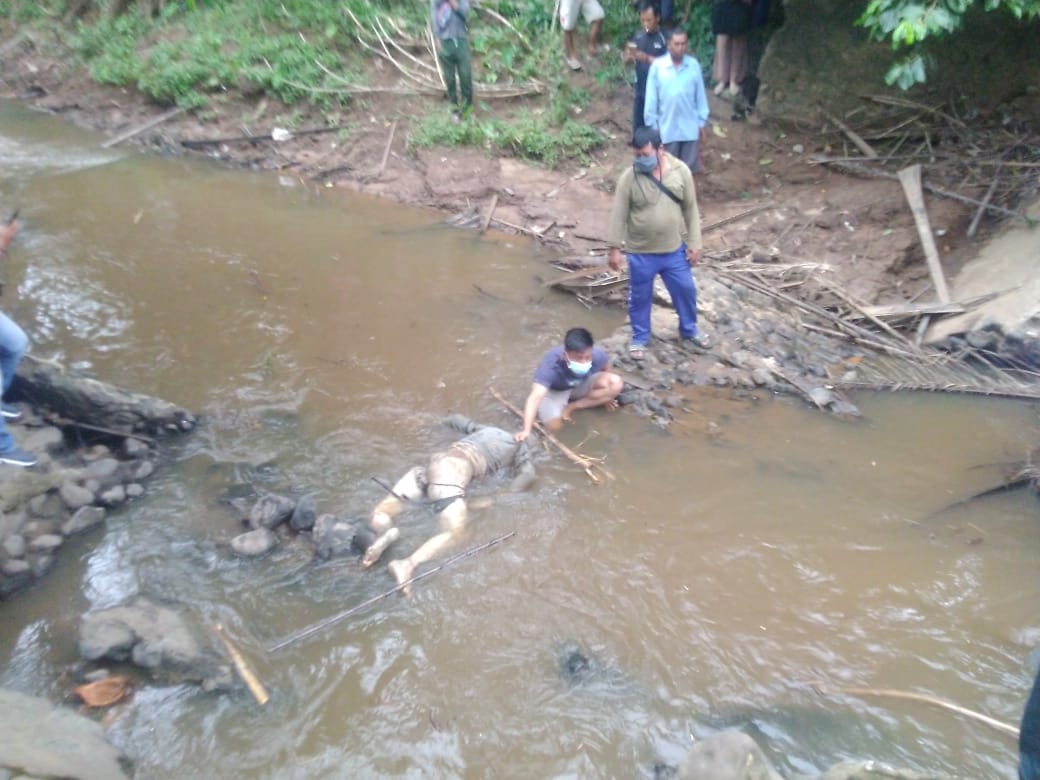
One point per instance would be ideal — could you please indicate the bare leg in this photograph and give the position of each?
(448, 477)
(452, 521)
(410, 486)
(737, 62)
(720, 68)
(594, 29)
(603, 392)
(568, 44)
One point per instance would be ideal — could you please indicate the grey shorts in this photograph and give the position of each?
(552, 405)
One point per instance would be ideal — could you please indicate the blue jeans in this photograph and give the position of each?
(674, 269)
(13, 343)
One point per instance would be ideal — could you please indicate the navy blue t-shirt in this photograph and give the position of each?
(553, 373)
(649, 43)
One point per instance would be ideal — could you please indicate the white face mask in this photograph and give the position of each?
(580, 369)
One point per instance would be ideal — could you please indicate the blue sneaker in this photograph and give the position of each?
(10, 412)
(17, 457)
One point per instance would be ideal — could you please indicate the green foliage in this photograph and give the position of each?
(908, 23)
(529, 136)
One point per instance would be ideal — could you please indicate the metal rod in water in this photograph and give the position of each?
(322, 625)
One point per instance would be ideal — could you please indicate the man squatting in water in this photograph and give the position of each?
(443, 482)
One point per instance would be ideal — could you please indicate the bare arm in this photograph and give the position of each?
(7, 234)
(534, 398)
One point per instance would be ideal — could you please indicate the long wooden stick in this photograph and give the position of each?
(910, 178)
(889, 693)
(158, 120)
(386, 149)
(855, 137)
(588, 464)
(322, 625)
(242, 667)
(490, 212)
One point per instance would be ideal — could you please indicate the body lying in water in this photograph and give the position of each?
(442, 483)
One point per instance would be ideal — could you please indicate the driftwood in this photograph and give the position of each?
(910, 178)
(592, 466)
(853, 136)
(242, 667)
(331, 621)
(489, 213)
(90, 402)
(201, 143)
(889, 693)
(386, 150)
(912, 309)
(153, 122)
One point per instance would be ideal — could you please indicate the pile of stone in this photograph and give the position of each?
(67, 493)
(274, 515)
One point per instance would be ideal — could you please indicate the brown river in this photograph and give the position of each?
(321, 337)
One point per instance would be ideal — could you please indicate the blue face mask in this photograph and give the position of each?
(645, 163)
(579, 369)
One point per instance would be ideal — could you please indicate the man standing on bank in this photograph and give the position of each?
(656, 221)
(13, 343)
(646, 46)
(573, 376)
(448, 20)
(676, 103)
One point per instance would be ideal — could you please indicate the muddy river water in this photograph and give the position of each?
(321, 337)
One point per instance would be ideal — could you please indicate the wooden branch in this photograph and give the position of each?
(736, 217)
(153, 122)
(577, 274)
(912, 309)
(877, 173)
(889, 693)
(199, 143)
(489, 213)
(590, 465)
(386, 149)
(910, 178)
(853, 136)
(985, 202)
(242, 667)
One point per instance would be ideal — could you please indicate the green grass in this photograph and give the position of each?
(194, 53)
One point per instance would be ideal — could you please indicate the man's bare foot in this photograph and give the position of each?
(611, 405)
(402, 571)
(378, 547)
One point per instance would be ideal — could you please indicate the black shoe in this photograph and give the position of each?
(17, 457)
(10, 412)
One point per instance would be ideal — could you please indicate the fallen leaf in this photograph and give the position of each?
(104, 692)
(717, 130)
(765, 161)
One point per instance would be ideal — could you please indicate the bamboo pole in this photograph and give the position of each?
(242, 667)
(322, 625)
(889, 693)
(590, 465)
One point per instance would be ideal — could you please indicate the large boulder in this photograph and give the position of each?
(727, 755)
(157, 638)
(39, 740)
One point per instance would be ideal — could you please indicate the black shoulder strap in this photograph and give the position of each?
(663, 189)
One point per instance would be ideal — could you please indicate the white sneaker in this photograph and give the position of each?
(574, 63)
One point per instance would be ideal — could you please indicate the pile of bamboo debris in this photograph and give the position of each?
(894, 360)
(414, 58)
(994, 168)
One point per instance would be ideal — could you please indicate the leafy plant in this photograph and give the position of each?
(908, 23)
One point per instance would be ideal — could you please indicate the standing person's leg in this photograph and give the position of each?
(721, 65)
(639, 102)
(569, 11)
(641, 271)
(448, 56)
(13, 344)
(594, 14)
(465, 76)
(411, 487)
(677, 277)
(687, 151)
(738, 62)
(448, 476)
